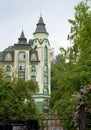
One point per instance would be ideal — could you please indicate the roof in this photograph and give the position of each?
(22, 35)
(4, 53)
(40, 26)
(31, 42)
(22, 39)
(9, 49)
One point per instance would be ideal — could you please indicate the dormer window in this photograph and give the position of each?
(8, 57)
(33, 57)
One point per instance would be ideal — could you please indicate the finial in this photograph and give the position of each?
(40, 12)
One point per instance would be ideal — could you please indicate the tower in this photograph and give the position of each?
(42, 45)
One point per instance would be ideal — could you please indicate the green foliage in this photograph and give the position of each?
(72, 68)
(16, 98)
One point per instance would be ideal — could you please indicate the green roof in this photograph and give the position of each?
(40, 27)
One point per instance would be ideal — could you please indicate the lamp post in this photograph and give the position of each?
(82, 114)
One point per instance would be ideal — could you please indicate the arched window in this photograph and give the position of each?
(33, 69)
(35, 46)
(45, 53)
(33, 57)
(21, 56)
(8, 68)
(8, 57)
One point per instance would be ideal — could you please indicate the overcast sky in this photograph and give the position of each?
(16, 15)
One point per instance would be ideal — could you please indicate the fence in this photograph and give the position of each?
(40, 122)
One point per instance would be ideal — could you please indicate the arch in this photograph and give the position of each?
(33, 68)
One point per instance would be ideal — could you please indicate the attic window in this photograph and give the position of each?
(8, 57)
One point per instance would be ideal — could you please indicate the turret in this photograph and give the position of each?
(40, 31)
(22, 39)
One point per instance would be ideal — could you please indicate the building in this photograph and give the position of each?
(31, 60)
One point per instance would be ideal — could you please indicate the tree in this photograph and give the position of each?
(16, 98)
(76, 70)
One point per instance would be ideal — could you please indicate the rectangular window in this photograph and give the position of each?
(21, 67)
(45, 81)
(33, 78)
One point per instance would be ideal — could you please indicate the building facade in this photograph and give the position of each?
(31, 60)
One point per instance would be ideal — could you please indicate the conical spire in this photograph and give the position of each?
(22, 35)
(40, 26)
(22, 39)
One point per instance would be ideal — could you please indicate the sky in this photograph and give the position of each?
(18, 15)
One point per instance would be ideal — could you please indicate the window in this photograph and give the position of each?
(45, 53)
(8, 68)
(33, 69)
(33, 57)
(45, 41)
(35, 47)
(35, 41)
(45, 90)
(21, 75)
(21, 71)
(46, 104)
(21, 67)
(46, 68)
(21, 56)
(46, 81)
(33, 78)
(8, 57)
